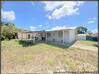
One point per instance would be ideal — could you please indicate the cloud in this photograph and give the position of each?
(95, 31)
(61, 27)
(32, 28)
(92, 18)
(9, 15)
(40, 25)
(61, 9)
(90, 22)
(58, 28)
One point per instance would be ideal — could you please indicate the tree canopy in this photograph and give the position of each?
(8, 30)
(81, 30)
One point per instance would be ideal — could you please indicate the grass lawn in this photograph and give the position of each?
(89, 43)
(19, 56)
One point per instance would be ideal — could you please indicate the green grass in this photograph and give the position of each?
(95, 64)
(25, 51)
(12, 58)
(57, 54)
(5, 45)
(49, 60)
(71, 55)
(65, 54)
(26, 57)
(22, 58)
(71, 64)
(90, 43)
(15, 43)
(83, 59)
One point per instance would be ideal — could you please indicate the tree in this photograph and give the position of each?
(89, 32)
(8, 30)
(81, 30)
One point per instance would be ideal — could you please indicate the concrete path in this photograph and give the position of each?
(86, 47)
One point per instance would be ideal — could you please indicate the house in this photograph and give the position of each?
(81, 37)
(25, 34)
(62, 36)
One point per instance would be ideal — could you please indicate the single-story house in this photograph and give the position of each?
(65, 36)
(25, 34)
(62, 36)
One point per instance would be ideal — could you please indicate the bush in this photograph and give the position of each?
(8, 30)
(91, 38)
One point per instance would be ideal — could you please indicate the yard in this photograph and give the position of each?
(25, 57)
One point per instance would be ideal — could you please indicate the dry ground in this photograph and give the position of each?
(22, 57)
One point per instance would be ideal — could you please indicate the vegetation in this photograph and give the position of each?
(17, 53)
(91, 38)
(49, 60)
(89, 43)
(83, 59)
(65, 54)
(8, 30)
(81, 30)
(27, 57)
(6, 45)
(57, 54)
(71, 64)
(89, 32)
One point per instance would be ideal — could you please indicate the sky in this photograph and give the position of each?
(51, 15)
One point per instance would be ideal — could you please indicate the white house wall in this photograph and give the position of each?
(72, 36)
(54, 35)
(66, 36)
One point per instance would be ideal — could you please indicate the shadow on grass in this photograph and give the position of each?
(57, 45)
(60, 45)
(96, 45)
(26, 43)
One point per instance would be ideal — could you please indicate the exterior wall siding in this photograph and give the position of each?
(54, 37)
(80, 37)
(68, 36)
(60, 36)
(72, 36)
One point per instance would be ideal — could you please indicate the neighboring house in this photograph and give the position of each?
(81, 37)
(62, 36)
(25, 34)
(94, 35)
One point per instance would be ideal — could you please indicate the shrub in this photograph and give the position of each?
(91, 38)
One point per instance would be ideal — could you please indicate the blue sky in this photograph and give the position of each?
(37, 15)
